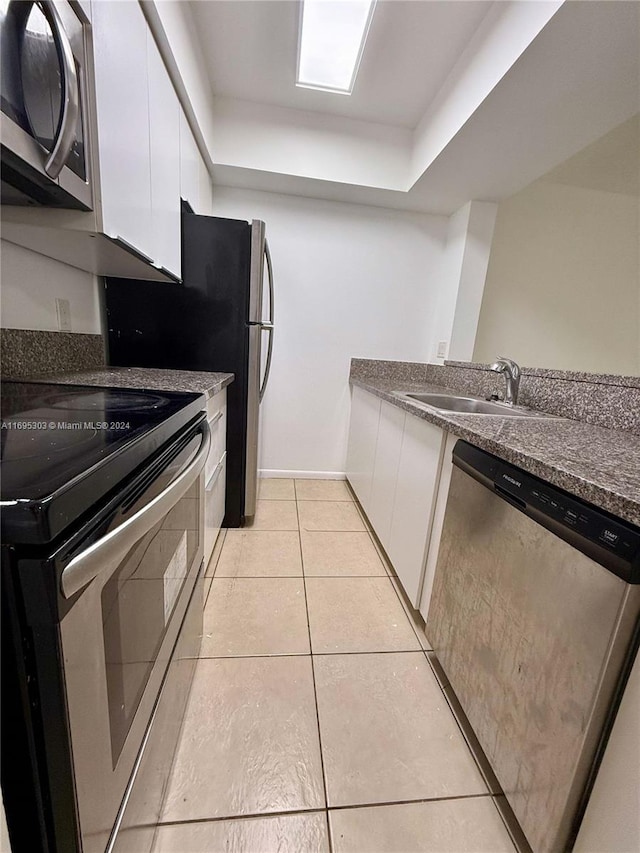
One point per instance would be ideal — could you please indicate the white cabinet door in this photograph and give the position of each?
(438, 521)
(164, 124)
(363, 435)
(206, 189)
(418, 473)
(385, 470)
(189, 167)
(122, 98)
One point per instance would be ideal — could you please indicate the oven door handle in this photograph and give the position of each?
(107, 553)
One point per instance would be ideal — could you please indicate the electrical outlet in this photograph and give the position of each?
(442, 349)
(63, 310)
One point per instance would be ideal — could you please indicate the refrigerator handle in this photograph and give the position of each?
(268, 327)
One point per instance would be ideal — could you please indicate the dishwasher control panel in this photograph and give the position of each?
(612, 542)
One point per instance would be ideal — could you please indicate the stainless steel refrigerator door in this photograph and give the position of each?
(257, 382)
(256, 276)
(267, 324)
(531, 634)
(253, 417)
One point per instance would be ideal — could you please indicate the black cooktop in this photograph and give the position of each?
(63, 447)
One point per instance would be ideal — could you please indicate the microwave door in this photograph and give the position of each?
(43, 132)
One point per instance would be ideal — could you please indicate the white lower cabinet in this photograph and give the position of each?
(438, 520)
(215, 472)
(385, 470)
(417, 482)
(363, 435)
(399, 466)
(214, 498)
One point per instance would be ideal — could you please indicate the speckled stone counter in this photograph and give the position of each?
(596, 398)
(599, 465)
(146, 378)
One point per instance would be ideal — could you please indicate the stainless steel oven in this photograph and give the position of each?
(94, 627)
(118, 637)
(46, 90)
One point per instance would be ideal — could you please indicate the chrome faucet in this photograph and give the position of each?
(511, 372)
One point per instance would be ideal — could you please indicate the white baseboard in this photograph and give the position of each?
(302, 475)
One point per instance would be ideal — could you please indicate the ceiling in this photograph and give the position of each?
(250, 51)
(455, 100)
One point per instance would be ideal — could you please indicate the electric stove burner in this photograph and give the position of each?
(18, 444)
(106, 400)
(63, 448)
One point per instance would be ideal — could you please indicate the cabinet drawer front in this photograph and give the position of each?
(218, 427)
(216, 403)
(214, 501)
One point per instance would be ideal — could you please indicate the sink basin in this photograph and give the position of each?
(473, 406)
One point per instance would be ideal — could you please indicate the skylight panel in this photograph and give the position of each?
(330, 43)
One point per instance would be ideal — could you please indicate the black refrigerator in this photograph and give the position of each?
(214, 320)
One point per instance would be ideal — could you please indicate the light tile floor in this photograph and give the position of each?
(315, 723)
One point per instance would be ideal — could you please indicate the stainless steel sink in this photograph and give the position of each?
(473, 406)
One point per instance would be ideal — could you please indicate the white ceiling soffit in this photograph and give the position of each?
(548, 92)
(250, 48)
(577, 81)
(610, 164)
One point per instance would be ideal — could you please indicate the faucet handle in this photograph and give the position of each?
(513, 366)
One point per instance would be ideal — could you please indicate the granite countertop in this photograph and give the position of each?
(144, 378)
(601, 466)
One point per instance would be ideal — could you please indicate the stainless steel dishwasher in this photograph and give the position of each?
(534, 619)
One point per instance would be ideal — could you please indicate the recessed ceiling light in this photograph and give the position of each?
(330, 43)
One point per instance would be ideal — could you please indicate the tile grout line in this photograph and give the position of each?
(309, 654)
(313, 678)
(291, 577)
(346, 807)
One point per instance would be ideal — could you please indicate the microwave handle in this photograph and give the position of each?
(66, 134)
(108, 552)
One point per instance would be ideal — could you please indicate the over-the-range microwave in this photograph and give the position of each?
(44, 49)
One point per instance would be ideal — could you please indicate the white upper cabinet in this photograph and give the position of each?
(122, 99)
(164, 123)
(206, 190)
(138, 136)
(195, 181)
(189, 166)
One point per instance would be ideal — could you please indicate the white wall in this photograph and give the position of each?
(463, 275)
(30, 285)
(350, 281)
(563, 283)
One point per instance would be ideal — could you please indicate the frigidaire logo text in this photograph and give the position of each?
(512, 480)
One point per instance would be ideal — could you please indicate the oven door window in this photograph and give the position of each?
(137, 604)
